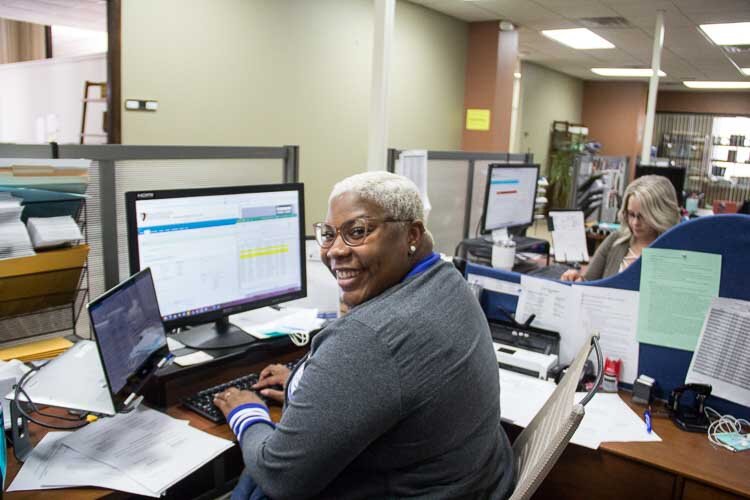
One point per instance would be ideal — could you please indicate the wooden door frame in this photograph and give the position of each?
(114, 80)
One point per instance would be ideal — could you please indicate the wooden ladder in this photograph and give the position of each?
(87, 99)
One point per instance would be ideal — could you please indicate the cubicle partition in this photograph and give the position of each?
(116, 169)
(455, 186)
(725, 235)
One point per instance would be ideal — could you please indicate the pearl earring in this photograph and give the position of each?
(412, 249)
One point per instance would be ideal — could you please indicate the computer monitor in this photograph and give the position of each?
(676, 176)
(216, 252)
(130, 335)
(510, 196)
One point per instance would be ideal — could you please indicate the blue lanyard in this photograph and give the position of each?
(423, 265)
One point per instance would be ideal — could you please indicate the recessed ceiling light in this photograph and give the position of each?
(578, 38)
(717, 85)
(627, 72)
(728, 33)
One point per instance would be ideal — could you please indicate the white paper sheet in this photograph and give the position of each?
(150, 447)
(609, 419)
(614, 314)
(496, 285)
(53, 465)
(556, 309)
(413, 164)
(721, 357)
(522, 396)
(194, 358)
(569, 236)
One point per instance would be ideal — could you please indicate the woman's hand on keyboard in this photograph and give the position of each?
(571, 275)
(271, 378)
(231, 398)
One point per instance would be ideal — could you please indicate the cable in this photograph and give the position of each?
(19, 389)
(721, 424)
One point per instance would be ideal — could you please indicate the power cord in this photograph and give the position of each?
(723, 424)
(20, 390)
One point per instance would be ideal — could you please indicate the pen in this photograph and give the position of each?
(647, 418)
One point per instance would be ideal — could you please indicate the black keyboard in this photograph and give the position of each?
(203, 401)
(552, 272)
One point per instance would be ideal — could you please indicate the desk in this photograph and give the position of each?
(213, 478)
(683, 466)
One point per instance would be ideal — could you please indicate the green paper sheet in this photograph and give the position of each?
(676, 291)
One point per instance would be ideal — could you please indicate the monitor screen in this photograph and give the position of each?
(129, 333)
(676, 176)
(218, 251)
(510, 196)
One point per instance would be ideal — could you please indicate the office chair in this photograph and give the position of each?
(540, 444)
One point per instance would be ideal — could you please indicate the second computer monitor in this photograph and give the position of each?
(215, 252)
(510, 196)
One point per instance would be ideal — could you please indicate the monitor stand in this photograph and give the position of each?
(218, 335)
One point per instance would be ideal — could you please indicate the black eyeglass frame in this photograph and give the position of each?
(337, 230)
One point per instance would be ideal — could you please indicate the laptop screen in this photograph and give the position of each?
(129, 332)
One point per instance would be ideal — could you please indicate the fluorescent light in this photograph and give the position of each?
(627, 72)
(746, 71)
(728, 33)
(578, 38)
(717, 85)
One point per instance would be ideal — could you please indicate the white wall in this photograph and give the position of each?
(546, 96)
(41, 100)
(273, 72)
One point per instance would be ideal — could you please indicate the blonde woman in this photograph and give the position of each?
(649, 208)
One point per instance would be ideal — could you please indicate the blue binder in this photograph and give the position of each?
(728, 235)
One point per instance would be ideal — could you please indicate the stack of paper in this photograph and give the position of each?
(267, 322)
(43, 349)
(142, 452)
(53, 231)
(14, 240)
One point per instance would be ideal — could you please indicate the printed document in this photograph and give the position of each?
(609, 419)
(721, 356)
(148, 446)
(53, 465)
(676, 289)
(556, 309)
(614, 314)
(569, 236)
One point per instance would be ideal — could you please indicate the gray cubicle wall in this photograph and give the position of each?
(455, 185)
(116, 169)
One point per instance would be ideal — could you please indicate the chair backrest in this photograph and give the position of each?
(542, 442)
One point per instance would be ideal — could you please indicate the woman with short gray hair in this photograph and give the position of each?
(399, 397)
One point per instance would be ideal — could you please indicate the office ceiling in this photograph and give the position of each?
(628, 24)
(687, 54)
(84, 14)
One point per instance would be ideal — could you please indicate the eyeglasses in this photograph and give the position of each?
(353, 232)
(634, 216)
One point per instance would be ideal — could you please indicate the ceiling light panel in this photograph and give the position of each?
(578, 38)
(728, 33)
(626, 72)
(716, 85)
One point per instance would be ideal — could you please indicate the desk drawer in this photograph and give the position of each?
(582, 474)
(700, 491)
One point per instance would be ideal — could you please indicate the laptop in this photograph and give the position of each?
(129, 332)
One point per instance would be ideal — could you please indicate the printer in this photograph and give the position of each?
(524, 348)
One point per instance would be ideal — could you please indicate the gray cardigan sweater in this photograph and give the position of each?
(607, 258)
(398, 398)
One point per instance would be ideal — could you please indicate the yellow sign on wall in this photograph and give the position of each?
(477, 119)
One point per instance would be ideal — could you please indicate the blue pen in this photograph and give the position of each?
(647, 417)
